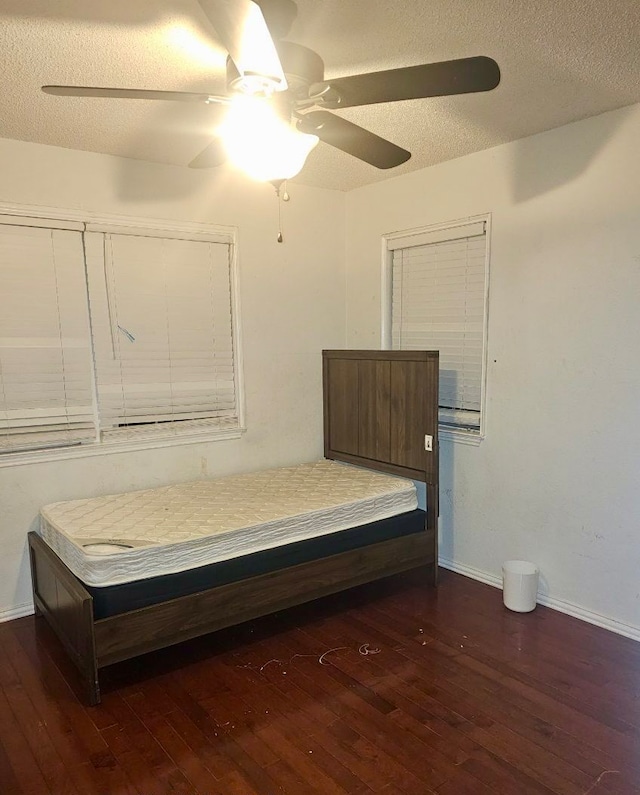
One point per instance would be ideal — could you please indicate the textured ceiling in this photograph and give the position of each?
(561, 60)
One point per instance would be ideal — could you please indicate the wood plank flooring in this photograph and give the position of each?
(392, 688)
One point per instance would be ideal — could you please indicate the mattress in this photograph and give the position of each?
(111, 600)
(138, 535)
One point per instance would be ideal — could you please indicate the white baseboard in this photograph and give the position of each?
(560, 605)
(19, 611)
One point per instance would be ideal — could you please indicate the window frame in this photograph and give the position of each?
(93, 221)
(459, 435)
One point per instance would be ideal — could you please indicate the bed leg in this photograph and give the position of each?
(92, 689)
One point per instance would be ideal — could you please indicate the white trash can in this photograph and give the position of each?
(519, 585)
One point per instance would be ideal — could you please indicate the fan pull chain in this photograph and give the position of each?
(280, 238)
(281, 197)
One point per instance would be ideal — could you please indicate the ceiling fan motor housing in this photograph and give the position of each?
(301, 67)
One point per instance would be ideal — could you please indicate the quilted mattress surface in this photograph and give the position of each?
(125, 537)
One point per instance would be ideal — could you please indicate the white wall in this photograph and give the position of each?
(557, 479)
(293, 305)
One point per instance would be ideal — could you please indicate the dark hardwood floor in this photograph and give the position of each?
(391, 688)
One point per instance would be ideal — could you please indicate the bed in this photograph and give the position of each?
(122, 575)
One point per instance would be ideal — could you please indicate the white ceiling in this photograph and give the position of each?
(561, 60)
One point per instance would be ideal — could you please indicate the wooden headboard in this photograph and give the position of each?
(379, 407)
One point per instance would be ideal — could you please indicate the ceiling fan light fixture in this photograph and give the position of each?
(261, 143)
(255, 85)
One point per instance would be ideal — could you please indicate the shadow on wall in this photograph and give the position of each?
(501, 117)
(538, 168)
(25, 566)
(446, 544)
(136, 182)
(446, 530)
(171, 126)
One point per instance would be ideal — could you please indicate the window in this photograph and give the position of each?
(115, 334)
(46, 394)
(436, 299)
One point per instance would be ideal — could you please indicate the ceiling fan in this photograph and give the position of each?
(291, 78)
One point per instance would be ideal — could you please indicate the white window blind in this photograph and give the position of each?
(438, 303)
(46, 393)
(161, 310)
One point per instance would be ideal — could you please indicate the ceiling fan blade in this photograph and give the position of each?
(133, 93)
(352, 139)
(462, 76)
(211, 156)
(242, 29)
(279, 16)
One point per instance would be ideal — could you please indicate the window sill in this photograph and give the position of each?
(110, 447)
(472, 438)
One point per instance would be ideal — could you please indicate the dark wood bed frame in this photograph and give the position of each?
(378, 408)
